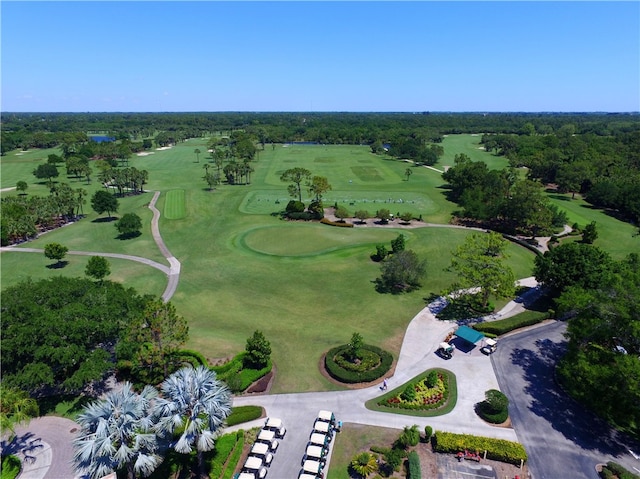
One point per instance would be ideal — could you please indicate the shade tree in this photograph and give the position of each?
(104, 202)
(296, 177)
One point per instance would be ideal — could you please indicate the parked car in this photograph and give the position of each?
(261, 450)
(276, 426)
(269, 438)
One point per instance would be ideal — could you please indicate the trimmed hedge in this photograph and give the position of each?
(336, 223)
(613, 469)
(414, 466)
(245, 376)
(193, 357)
(497, 449)
(235, 457)
(226, 447)
(242, 414)
(502, 326)
(346, 376)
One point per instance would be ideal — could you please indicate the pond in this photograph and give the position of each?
(102, 138)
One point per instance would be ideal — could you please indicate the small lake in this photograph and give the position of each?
(102, 138)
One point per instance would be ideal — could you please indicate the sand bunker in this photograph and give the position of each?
(146, 153)
(164, 148)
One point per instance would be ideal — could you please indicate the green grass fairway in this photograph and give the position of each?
(307, 287)
(174, 205)
(470, 146)
(614, 236)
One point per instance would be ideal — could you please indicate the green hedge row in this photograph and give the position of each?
(242, 414)
(235, 457)
(502, 326)
(193, 357)
(235, 364)
(613, 469)
(414, 466)
(497, 449)
(336, 223)
(345, 376)
(235, 372)
(225, 446)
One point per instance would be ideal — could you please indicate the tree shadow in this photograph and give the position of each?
(26, 444)
(562, 413)
(57, 265)
(128, 236)
(107, 219)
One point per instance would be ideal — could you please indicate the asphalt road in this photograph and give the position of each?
(561, 438)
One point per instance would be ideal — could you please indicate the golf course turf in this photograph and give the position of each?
(306, 286)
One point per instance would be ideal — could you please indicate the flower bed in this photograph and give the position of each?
(420, 394)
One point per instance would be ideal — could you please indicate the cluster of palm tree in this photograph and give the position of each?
(124, 179)
(130, 431)
(23, 217)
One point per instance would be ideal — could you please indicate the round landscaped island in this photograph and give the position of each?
(357, 362)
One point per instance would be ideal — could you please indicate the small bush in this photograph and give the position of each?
(503, 326)
(295, 207)
(303, 215)
(225, 446)
(432, 379)
(242, 414)
(415, 471)
(11, 466)
(327, 221)
(409, 393)
(428, 432)
(193, 357)
(613, 469)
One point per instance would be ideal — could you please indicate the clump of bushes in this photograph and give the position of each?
(226, 455)
(242, 414)
(494, 408)
(341, 224)
(614, 470)
(339, 354)
(414, 466)
(497, 449)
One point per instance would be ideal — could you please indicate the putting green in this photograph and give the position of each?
(175, 205)
(310, 239)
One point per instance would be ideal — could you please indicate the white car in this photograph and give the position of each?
(319, 439)
(276, 426)
(261, 450)
(322, 426)
(315, 452)
(312, 467)
(269, 438)
(254, 465)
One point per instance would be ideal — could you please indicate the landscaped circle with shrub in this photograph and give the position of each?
(372, 364)
(430, 392)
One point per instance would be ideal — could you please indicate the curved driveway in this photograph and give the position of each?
(562, 438)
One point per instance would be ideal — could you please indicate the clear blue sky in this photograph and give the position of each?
(320, 56)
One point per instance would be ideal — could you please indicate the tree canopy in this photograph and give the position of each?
(402, 271)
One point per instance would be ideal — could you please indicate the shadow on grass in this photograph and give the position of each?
(107, 219)
(58, 265)
(128, 236)
(72, 405)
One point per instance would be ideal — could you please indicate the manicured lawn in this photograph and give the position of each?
(470, 146)
(614, 236)
(306, 286)
(174, 205)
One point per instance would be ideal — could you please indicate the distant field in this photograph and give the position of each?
(308, 287)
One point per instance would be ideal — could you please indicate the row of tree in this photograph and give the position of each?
(602, 299)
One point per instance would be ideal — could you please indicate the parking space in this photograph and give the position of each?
(450, 468)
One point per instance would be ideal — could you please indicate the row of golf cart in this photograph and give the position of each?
(315, 457)
(261, 454)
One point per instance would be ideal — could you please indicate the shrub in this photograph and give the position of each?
(242, 414)
(428, 432)
(432, 379)
(410, 437)
(393, 457)
(225, 447)
(316, 209)
(295, 206)
(193, 357)
(364, 464)
(258, 351)
(381, 253)
(409, 393)
(10, 467)
(327, 221)
(303, 215)
(494, 408)
(614, 469)
(502, 326)
(236, 376)
(346, 376)
(497, 449)
(414, 466)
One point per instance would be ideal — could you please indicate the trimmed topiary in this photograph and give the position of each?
(344, 375)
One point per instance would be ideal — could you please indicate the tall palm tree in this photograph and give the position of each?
(117, 433)
(194, 404)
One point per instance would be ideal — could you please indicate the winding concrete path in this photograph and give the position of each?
(172, 271)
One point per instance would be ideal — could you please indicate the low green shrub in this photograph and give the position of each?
(327, 221)
(10, 467)
(304, 215)
(415, 471)
(236, 376)
(225, 445)
(503, 326)
(346, 376)
(409, 393)
(380, 449)
(295, 207)
(367, 360)
(235, 457)
(193, 357)
(613, 469)
(497, 449)
(242, 414)
(428, 432)
(495, 407)
(235, 364)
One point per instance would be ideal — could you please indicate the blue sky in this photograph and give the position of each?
(320, 56)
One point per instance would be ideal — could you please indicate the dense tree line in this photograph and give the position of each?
(499, 200)
(602, 299)
(605, 169)
(63, 333)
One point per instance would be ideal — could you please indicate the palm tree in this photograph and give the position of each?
(194, 405)
(364, 464)
(117, 433)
